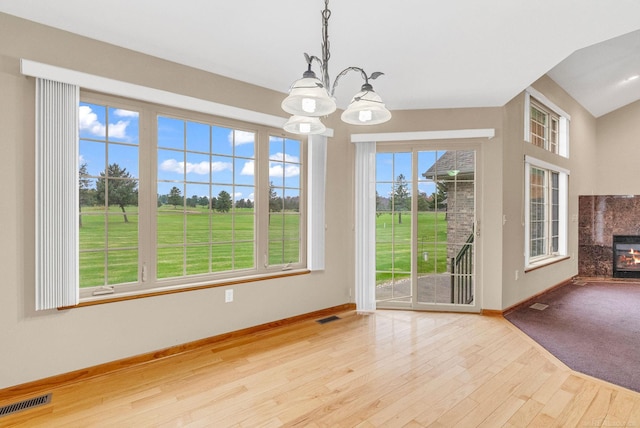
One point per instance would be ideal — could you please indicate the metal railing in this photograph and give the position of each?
(462, 274)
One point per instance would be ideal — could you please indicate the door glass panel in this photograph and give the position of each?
(393, 227)
(425, 250)
(445, 225)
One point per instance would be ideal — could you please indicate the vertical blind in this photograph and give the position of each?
(317, 160)
(365, 211)
(56, 194)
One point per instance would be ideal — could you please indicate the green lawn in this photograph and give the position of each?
(393, 245)
(185, 246)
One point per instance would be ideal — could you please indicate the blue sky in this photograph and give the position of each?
(390, 165)
(175, 160)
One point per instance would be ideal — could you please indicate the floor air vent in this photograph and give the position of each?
(26, 404)
(327, 319)
(539, 306)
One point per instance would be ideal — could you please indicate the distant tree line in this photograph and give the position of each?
(117, 187)
(278, 204)
(222, 203)
(400, 199)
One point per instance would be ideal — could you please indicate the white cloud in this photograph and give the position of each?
(290, 170)
(119, 129)
(248, 168)
(242, 137)
(201, 168)
(250, 197)
(237, 196)
(275, 170)
(125, 113)
(89, 122)
(282, 156)
(221, 166)
(172, 165)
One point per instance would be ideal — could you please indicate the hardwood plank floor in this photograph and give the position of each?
(389, 369)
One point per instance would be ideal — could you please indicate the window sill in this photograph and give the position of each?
(92, 301)
(545, 262)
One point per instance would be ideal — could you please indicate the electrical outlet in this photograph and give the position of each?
(517, 274)
(228, 296)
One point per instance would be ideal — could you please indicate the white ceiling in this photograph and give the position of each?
(435, 54)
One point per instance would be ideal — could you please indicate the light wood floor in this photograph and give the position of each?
(393, 368)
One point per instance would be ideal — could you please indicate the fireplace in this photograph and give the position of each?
(626, 256)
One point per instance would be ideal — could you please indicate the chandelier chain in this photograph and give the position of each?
(326, 52)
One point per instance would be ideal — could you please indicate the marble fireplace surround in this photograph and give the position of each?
(599, 218)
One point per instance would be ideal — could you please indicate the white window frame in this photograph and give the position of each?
(563, 210)
(546, 104)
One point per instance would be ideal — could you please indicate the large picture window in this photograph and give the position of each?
(206, 188)
(171, 198)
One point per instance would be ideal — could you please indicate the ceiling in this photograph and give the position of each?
(435, 54)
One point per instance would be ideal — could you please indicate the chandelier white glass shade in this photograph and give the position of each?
(310, 98)
(304, 125)
(366, 108)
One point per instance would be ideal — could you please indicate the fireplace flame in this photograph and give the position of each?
(635, 256)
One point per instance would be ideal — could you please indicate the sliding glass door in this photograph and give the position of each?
(425, 229)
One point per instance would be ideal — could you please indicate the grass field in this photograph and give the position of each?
(393, 245)
(184, 244)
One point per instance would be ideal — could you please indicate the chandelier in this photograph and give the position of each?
(310, 98)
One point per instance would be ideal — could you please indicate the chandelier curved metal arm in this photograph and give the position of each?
(366, 78)
(310, 97)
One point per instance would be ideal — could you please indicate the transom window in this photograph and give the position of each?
(171, 199)
(546, 125)
(544, 128)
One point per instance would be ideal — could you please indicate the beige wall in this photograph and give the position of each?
(618, 152)
(41, 344)
(580, 164)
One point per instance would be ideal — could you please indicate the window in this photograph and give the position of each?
(546, 125)
(195, 199)
(546, 211)
(284, 201)
(205, 209)
(544, 128)
(108, 195)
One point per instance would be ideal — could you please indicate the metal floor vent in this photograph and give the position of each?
(327, 319)
(26, 404)
(539, 306)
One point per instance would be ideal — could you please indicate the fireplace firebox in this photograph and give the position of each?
(626, 256)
